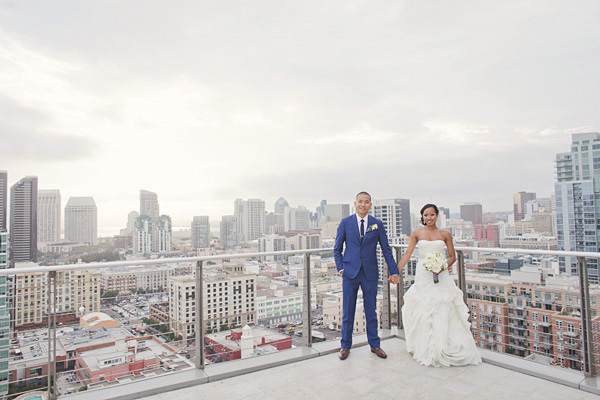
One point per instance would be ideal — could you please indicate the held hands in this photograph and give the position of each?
(394, 279)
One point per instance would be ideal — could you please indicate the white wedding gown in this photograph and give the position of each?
(435, 317)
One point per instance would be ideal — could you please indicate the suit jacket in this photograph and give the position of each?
(362, 253)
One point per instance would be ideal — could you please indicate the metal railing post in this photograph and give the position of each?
(386, 312)
(200, 362)
(462, 281)
(307, 304)
(51, 334)
(586, 318)
(399, 289)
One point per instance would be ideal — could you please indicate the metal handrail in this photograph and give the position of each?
(157, 261)
(171, 260)
(386, 319)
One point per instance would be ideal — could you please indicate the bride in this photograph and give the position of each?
(434, 315)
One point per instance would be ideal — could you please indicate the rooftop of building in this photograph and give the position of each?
(260, 336)
(81, 202)
(145, 348)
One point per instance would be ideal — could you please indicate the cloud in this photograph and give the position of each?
(27, 134)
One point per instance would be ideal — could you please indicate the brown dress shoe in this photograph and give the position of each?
(343, 354)
(379, 351)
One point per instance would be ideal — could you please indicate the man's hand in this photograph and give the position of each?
(342, 273)
(394, 279)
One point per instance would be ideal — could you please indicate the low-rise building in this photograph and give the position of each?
(244, 343)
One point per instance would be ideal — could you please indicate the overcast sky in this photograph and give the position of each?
(203, 102)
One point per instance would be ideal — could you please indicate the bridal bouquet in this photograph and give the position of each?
(436, 263)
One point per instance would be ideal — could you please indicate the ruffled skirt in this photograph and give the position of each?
(436, 325)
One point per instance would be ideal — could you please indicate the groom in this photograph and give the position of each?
(358, 266)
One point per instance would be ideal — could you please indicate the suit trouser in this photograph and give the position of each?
(350, 290)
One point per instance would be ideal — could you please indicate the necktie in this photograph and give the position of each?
(362, 228)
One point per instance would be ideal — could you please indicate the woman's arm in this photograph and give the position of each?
(451, 252)
(411, 247)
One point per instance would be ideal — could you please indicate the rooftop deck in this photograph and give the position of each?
(317, 373)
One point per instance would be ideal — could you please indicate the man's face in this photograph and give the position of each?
(362, 204)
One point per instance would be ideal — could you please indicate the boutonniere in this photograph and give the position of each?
(372, 227)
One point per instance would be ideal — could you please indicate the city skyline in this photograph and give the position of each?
(450, 102)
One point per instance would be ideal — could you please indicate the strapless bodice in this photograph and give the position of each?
(427, 247)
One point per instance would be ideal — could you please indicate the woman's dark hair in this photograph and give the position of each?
(425, 207)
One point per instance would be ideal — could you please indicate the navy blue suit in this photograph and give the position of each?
(359, 262)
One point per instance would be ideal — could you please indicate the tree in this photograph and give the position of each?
(109, 294)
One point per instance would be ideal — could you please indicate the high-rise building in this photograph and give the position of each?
(81, 220)
(490, 233)
(229, 235)
(445, 211)
(23, 220)
(5, 293)
(335, 212)
(394, 214)
(142, 235)
(577, 189)
(200, 232)
(229, 300)
(75, 289)
(3, 199)
(149, 204)
(273, 223)
(270, 243)
(519, 201)
(49, 216)
(280, 205)
(4, 310)
(162, 234)
(131, 217)
(472, 212)
(296, 219)
(250, 215)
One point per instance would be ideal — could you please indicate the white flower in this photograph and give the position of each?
(435, 263)
(372, 227)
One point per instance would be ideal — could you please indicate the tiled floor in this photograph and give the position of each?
(364, 376)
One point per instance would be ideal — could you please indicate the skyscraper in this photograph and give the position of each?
(200, 232)
(229, 234)
(3, 199)
(577, 188)
(335, 212)
(4, 299)
(162, 234)
(142, 235)
(250, 215)
(131, 217)
(519, 201)
(49, 216)
(149, 204)
(395, 215)
(23, 220)
(472, 212)
(280, 205)
(296, 219)
(81, 220)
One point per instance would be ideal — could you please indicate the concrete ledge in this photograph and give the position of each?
(548, 372)
(591, 385)
(144, 388)
(229, 369)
